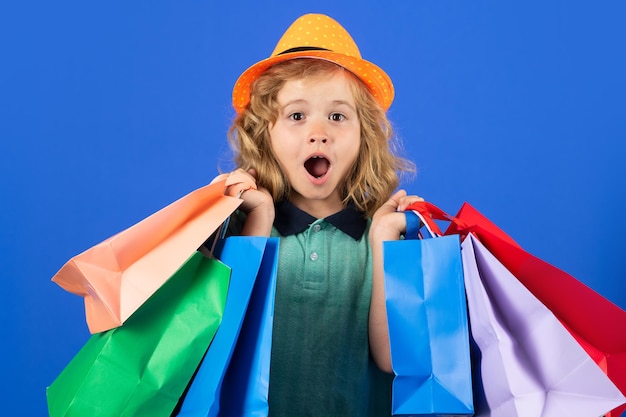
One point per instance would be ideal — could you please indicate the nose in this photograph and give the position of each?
(318, 133)
(317, 138)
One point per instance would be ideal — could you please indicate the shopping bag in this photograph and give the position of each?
(428, 327)
(143, 367)
(233, 378)
(118, 275)
(596, 323)
(246, 383)
(529, 364)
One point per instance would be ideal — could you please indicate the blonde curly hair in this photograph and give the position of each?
(375, 174)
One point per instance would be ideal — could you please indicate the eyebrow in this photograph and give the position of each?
(345, 103)
(302, 101)
(298, 102)
(289, 103)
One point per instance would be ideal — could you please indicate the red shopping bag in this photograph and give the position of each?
(596, 323)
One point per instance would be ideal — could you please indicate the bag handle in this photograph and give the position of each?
(414, 223)
(428, 213)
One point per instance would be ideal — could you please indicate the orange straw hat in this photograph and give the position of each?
(318, 36)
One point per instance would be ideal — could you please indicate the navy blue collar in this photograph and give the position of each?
(290, 220)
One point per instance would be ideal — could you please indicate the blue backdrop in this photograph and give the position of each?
(111, 110)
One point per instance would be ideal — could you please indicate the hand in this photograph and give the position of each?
(389, 221)
(257, 203)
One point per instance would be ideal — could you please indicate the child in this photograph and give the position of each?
(311, 130)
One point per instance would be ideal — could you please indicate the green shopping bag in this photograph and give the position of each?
(143, 367)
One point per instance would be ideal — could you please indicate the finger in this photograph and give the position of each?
(407, 201)
(392, 204)
(253, 172)
(219, 178)
(397, 197)
(239, 181)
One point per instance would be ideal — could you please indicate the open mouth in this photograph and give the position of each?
(317, 166)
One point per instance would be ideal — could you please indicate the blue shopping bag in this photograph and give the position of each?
(428, 326)
(233, 378)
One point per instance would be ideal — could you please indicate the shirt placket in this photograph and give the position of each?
(314, 263)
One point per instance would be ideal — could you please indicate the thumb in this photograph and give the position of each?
(396, 197)
(392, 204)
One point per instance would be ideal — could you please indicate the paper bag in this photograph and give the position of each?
(233, 378)
(143, 367)
(428, 327)
(529, 364)
(118, 275)
(596, 323)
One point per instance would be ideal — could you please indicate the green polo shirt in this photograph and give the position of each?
(321, 364)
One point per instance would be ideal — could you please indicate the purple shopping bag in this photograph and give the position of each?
(529, 365)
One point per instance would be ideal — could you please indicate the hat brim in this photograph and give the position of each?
(372, 76)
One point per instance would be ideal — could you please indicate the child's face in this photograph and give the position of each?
(316, 139)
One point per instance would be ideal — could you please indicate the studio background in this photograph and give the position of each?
(111, 110)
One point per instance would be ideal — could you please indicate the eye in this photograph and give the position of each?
(337, 117)
(296, 116)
